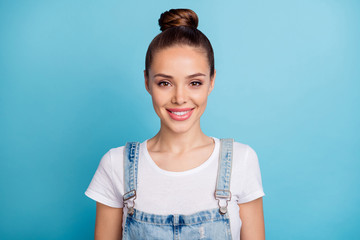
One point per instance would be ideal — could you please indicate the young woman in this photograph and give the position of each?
(180, 184)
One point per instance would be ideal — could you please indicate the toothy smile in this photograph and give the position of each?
(180, 114)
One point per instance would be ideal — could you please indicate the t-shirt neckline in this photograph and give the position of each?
(182, 173)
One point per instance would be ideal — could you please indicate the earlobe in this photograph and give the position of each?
(146, 82)
(212, 82)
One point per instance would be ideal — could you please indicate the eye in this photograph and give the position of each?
(163, 84)
(196, 83)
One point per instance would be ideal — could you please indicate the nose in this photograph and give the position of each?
(180, 96)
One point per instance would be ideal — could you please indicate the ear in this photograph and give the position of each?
(146, 82)
(212, 82)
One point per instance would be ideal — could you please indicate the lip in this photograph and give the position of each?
(182, 117)
(179, 109)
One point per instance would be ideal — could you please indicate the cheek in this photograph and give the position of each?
(200, 97)
(159, 98)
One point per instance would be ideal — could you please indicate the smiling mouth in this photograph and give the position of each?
(180, 114)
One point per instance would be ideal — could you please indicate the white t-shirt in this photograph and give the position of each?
(165, 192)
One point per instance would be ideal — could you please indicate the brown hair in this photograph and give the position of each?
(179, 27)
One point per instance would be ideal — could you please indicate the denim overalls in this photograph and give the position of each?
(207, 224)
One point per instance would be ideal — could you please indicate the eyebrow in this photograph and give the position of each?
(190, 76)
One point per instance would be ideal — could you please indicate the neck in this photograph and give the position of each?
(168, 141)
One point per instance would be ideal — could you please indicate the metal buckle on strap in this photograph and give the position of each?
(222, 196)
(132, 194)
(130, 208)
(223, 209)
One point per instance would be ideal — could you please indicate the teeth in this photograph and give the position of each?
(180, 113)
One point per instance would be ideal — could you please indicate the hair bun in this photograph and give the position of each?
(178, 17)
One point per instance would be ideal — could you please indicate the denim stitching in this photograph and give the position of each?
(206, 216)
(193, 219)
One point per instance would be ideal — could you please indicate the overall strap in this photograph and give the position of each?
(131, 157)
(222, 191)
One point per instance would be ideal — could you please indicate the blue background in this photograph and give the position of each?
(71, 88)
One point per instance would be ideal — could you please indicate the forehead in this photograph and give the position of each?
(180, 60)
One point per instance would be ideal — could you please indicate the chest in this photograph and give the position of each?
(183, 161)
(165, 192)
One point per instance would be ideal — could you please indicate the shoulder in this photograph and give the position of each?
(106, 184)
(241, 147)
(244, 156)
(246, 183)
(116, 153)
(112, 159)
(242, 150)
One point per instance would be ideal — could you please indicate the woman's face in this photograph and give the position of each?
(179, 83)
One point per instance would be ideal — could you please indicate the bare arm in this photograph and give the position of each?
(252, 217)
(108, 224)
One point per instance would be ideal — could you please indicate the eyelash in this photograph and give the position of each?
(197, 83)
(165, 84)
(161, 84)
